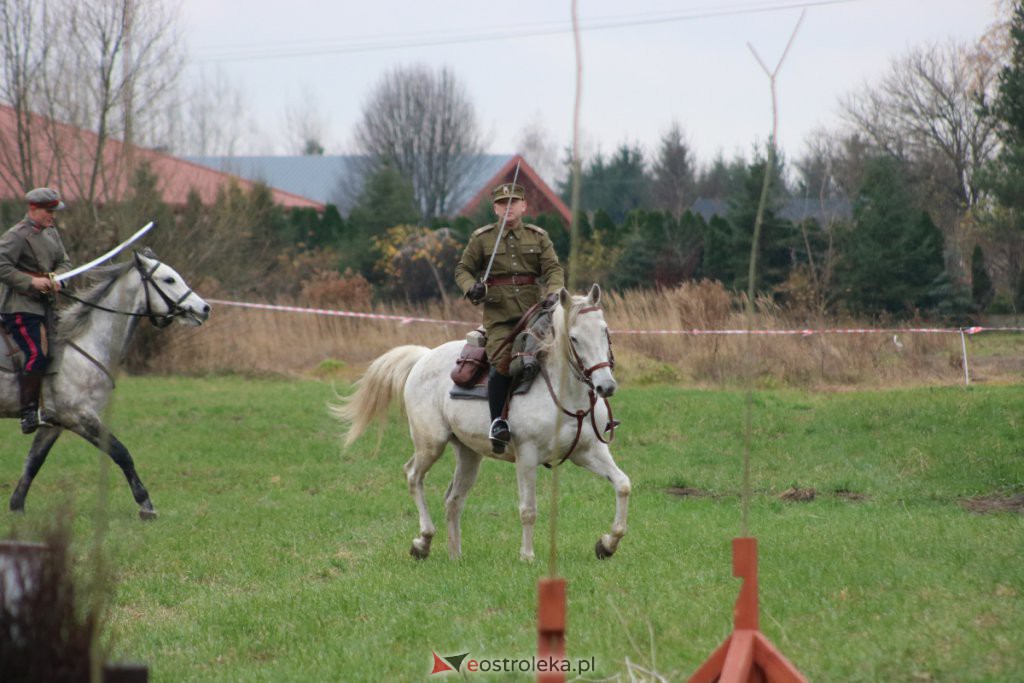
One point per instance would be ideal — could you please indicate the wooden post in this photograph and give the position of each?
(19, 568)
(550, 628)
(123, 672)
(746, 656)
(19, 564)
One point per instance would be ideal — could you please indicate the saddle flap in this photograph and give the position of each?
(11, 357)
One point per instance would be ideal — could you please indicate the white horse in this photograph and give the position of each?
(553, 420)
(93, 334)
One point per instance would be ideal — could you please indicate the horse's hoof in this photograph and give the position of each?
(147, 514)
(418, 552)
(602, 552)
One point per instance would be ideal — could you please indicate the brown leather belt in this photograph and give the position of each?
(511, 280)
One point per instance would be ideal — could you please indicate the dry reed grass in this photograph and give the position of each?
(247, 341)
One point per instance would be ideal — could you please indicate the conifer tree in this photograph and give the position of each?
(981, 284)
(890, 259)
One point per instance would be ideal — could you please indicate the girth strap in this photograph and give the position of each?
(76, 347)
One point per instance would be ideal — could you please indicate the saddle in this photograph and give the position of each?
(470, 374)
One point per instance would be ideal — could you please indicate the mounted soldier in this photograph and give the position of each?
(509, 266)
(31, 256)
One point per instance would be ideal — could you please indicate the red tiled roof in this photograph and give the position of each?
(66, 166)
(540, 197)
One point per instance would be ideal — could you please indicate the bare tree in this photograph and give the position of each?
(833, 164)
(24, 51)
(108, 68)
(926, 112)
(305, 126)
(205, 117)
(422, 123)
(928, 105)
(69, 65)
(540, 150)
(675, 184)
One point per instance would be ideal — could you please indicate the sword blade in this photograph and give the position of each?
(501, 228)
(109, 255)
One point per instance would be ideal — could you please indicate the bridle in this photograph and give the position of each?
(584, 374)
(174, 307)
(581, 372)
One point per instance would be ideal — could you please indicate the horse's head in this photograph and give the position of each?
(168, 297)
(589, 344)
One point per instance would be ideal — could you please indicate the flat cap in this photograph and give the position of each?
(45, 197)
(508, 191)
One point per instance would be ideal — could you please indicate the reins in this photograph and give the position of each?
(583, 374)
(524, 320)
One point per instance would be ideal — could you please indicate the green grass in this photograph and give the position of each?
(277, 557)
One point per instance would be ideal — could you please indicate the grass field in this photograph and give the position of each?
(277, 557)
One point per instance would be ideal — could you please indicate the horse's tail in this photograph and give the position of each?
(382, 382)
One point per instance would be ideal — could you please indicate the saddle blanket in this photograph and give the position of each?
(480, 390)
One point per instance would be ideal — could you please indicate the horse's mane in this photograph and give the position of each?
(75, 317)
(560, 323)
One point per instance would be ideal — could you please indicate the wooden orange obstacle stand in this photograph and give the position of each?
(551, 626)
(746, 656)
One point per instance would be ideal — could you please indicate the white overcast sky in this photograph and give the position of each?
(673, 60)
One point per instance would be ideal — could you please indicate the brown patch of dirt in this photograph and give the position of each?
(687, 492)
(797, 495)
(996, 503)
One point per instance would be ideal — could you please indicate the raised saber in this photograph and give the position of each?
(501, 228)
(109, 255)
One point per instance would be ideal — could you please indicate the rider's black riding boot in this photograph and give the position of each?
(31, 416)
(497, 393)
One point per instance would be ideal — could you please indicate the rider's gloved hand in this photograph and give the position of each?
(477, 292)
(550, 300)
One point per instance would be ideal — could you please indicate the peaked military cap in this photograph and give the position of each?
(508, 191)
(45, 197)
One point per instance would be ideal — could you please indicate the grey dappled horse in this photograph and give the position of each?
(94, 333)
(547, 422)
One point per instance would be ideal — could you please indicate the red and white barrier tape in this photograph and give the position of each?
(808, 333)
(406, 319)
(403, 319)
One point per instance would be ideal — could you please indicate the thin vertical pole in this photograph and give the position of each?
(963, 347)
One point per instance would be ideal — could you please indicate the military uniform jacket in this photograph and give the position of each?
(26, 249)
(524, 250)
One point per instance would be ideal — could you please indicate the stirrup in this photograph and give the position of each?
(33, 419)
(500, 435)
